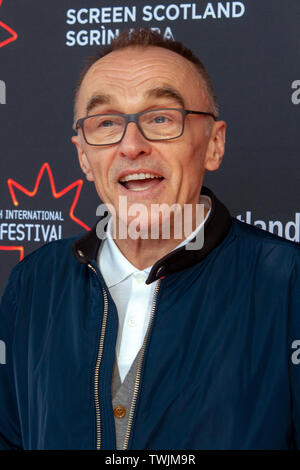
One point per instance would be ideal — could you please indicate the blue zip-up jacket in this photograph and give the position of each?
(220, 368)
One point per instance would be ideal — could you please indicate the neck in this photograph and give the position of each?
(143, 253)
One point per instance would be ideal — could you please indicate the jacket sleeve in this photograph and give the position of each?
(10, 432)
(294, 350)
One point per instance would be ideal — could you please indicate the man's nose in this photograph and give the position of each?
(133, 143)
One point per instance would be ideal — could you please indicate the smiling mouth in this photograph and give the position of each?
(140, 181)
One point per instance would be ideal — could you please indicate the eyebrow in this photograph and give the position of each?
(166, 92)
(97, 100)
(158, 92)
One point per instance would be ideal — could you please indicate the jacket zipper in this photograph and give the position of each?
(139, 368)
(97, 368)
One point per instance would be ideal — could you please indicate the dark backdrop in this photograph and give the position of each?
(251, 50)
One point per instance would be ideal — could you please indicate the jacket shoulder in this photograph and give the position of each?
(274, 251)
(58, 252)
(250, 233)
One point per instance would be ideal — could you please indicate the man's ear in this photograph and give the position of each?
(216, 146)
(83, 161)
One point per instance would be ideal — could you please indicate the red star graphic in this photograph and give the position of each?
(13, 34)
(46, 167)
(14, 248)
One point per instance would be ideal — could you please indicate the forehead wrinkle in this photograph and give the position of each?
(130, 64)
(126, 74)
(158, 84)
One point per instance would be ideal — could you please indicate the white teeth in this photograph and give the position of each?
(139, 189)
(138, 176)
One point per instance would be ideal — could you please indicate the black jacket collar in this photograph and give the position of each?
(216, 227)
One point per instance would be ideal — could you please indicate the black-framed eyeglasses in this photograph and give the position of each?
(154, 124)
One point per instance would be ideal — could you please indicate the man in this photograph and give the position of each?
(140, 342)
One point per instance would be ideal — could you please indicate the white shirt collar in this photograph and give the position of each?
(112, 262)
(116, 266)
(206, 201)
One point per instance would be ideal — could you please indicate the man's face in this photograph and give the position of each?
(137, 79)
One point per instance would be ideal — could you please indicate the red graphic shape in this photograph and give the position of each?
(46, 167)
(7, 28)
(14, 248)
